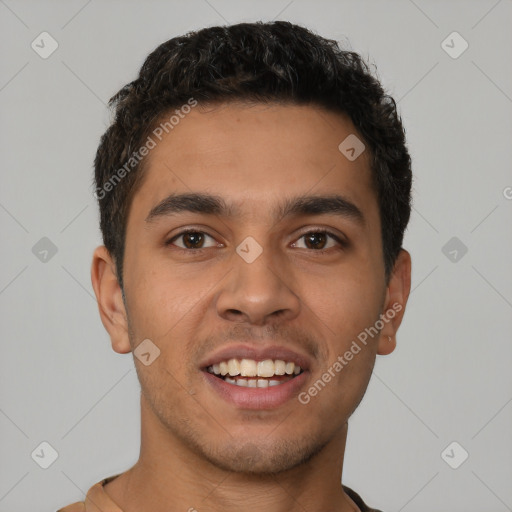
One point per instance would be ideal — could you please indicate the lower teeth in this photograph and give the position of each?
(256, 383)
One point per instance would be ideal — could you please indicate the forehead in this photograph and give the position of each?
(252, 156)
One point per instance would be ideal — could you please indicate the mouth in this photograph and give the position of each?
(250, 379)
(249, 373)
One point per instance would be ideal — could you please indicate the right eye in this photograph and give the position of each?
(191, 239)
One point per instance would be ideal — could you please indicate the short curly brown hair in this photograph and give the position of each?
(262, 62)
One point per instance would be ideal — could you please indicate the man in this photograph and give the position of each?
(254, 189)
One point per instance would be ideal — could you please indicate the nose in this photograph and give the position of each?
(258, 292)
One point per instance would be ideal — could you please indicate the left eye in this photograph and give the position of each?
(319, 237)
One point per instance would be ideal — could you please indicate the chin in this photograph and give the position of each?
(269, 459)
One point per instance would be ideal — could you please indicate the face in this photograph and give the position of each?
(255, 279)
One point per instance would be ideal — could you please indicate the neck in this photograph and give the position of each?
(169, 475)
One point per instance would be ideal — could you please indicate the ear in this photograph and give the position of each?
(110, 299)
(397, 294)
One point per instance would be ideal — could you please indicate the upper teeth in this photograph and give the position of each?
(252, 368)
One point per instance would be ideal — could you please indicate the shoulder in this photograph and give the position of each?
(79, 506)
(357, 500)
(96, 499)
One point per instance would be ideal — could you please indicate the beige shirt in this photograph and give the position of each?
(97, 500)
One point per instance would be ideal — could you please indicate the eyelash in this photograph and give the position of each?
(324, 231)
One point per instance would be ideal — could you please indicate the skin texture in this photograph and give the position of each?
(197, 450)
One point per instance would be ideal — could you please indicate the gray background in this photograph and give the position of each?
(449, 378)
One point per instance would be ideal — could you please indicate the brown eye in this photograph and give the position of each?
(191, 240)
(318, 239)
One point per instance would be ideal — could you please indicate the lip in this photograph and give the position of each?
(258, 354)
(256, 398)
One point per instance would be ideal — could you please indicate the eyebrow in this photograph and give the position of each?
(332, 204)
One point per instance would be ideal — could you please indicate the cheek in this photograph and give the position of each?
(159, 296)
(166, 305)
(347, 303)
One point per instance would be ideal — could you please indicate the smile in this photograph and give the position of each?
(255, 374)
(264, 388)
